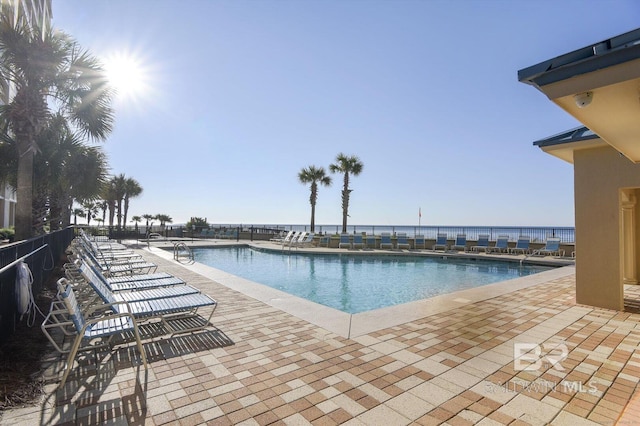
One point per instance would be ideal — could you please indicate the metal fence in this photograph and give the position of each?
(536, 233)
(41, 254)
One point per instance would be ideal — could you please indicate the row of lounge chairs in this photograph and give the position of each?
(522, 246)
(401, 241)
(94, 303)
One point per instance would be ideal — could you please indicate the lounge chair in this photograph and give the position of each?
(280, 238)
(418, 242)
(118, 267)
(324, 241)
(522, 246)
(371, 242)
(402, 242)
(385, 240)
(501, 246)
(291, 237)
(345, 241)
(122, 283)
(357, 241)
(461, 243)
(68, 315)
(306, 241)
(298, 239)
(441, 242)
(162, 308)
(551, 248)
(482, 243)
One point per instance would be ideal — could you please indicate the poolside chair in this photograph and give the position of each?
(461, 242)
(357, 241)
(551, 248)
(123, 283)
(67, 315)
(345, 241)
(306, 241)
(297, 239)
(522, 246)
(161, 308)
(385, 240)
(482, 243)
(280, 238)
(441, 242)
(371, 242)
(324, 241)
(402, 242)
(418, 242)
(501, 246)
(291, 237)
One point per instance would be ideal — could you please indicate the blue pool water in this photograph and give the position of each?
(353, 283)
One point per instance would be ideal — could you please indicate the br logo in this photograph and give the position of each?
(531, 356)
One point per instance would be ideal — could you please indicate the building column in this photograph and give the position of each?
(628, 238)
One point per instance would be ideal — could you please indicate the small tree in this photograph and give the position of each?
(197, 224)
(77, 212)
(136, 219)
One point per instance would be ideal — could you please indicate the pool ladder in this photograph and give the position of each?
(182, 253)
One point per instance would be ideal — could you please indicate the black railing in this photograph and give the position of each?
(40, 254)
(536, 233)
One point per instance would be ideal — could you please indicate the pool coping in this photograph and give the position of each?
(354, 325)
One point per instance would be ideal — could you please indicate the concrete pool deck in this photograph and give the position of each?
(452, 364)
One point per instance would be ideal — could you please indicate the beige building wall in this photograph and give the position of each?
(607, 190)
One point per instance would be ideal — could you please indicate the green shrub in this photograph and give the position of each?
(7, 234)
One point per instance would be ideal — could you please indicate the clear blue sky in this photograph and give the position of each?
(241, 95)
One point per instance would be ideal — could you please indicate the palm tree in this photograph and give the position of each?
(164, 219)
(47, 69)
(109, 196)
(314, 175)
(136, 220)
(119, 188)
(77, 212)
(91, 207)
(66, 170)
(131, 189)
(349, 165)
(148, 217)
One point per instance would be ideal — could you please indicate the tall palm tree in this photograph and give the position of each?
(49, 71)
(348, 165)
(131, 189)
(120, 188)
(109, 196)
(314, 176)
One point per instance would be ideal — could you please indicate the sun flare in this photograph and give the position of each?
(127, 75)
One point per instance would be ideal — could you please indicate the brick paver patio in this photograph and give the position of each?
(260, 365)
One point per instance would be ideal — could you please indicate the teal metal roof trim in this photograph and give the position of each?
(575, 135)
(616, 50)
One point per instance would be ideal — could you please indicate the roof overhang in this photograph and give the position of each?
(564, 144)
(610, 71)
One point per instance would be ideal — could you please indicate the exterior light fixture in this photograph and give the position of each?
(583, 99)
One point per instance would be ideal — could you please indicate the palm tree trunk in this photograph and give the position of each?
(24, 193)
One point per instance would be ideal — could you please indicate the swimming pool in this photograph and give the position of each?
(359, 283)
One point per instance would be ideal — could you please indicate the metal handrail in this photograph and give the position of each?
(15, 262)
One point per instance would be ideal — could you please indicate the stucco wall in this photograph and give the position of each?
(600, 175)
